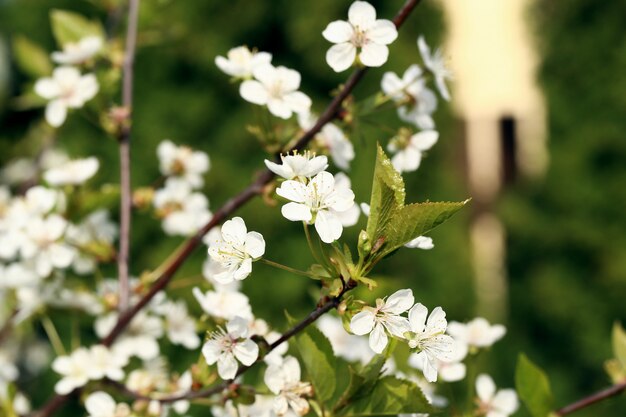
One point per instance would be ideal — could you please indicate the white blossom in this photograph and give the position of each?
(409, 151)
(420, 242)
(75, 370)
(428, 336)
(276, 87)
(317, 202)
(477, 333)
(180, 327)
(362, 30)
(183, 211)
(101, 404)
(78, 52)
(183, 162)
(240, 62)
(66, 89)
(450, 370)
(106, 363)
(492, 403)
(72, 172)
(43, 246)
(405, 89)
(236, 250)
(228, 347)
(375, 321)
(96, 229)
(331, 139)
(298, 165)
(224, 304)
(435, 63)
(284, 381)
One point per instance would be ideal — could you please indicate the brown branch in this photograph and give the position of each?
(124, 145)
(254, 189)
(592, 399)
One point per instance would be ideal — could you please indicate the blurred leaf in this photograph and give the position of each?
(619, 343)
(319, 360)
(31, 58)
(533, 387)
(390, 396)
(69, 27)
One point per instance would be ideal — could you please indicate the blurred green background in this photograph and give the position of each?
(566, 233)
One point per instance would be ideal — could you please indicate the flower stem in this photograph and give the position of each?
(53, 335)
(310, 243)
(288, 268)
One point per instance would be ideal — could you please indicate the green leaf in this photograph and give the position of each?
(31, 58)
(391, 223)
(416, 219)
(319, 360)
(69, 27)
(390, 396)
(619, 343)
(533, 387)
(388, 195)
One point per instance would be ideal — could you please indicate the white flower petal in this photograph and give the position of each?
(227, 366)
(378, 338)
(56, 113)
(362, 322)
(399, 302)
(417, 318)
(341, 56)
(383, 32)
(296, 212)
(485, 387)
(328, 226)
(338, 31)
(246, 352)
(254, 92)
(362, 14)
(374, 55)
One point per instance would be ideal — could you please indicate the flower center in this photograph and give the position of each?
(359, 38)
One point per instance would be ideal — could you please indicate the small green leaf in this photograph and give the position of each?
(319, 360)
(533, 387)
(31, 58)
(619, 343)
(69, 27)
(390, 396)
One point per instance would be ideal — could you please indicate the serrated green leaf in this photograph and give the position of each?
(31, 58)
(619, 343)
(388, 195)
(416, 219)
(70, 27)
(533, 387)
(390, 396)
(319, 361)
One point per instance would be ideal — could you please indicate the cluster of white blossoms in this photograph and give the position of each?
(39, 244)
(416, 105)
(265, 84)
(67, 88)
(423, 332)
(316, 196)
(182, 209)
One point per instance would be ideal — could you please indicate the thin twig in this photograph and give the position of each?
(592, 399)
(254, 189)
(124, 144)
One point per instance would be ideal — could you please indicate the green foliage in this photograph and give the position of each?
(319, 361)
(31, 58)
(391, 223)
(533, 387)
(390, 396)
(619, 344)
(69, 27)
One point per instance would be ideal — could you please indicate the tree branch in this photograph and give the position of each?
(592, 399)
(124, 145)
(254, 189)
